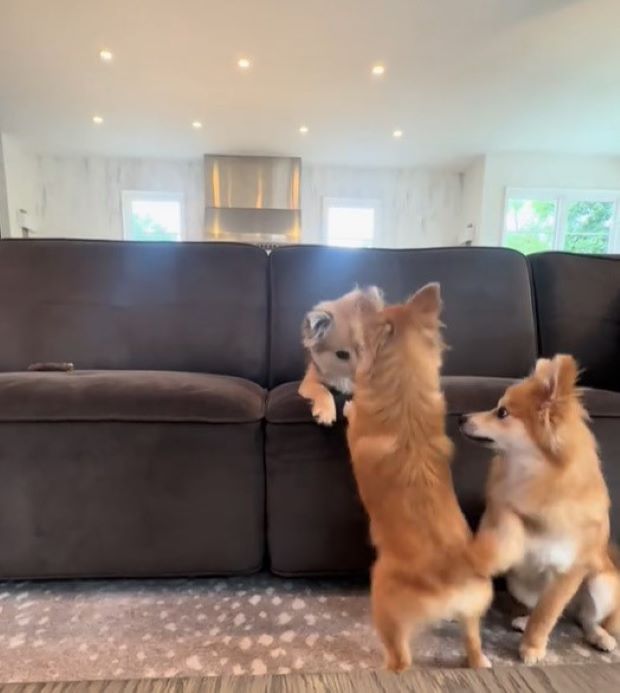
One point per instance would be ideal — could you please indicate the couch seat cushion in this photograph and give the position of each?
(463, 394)
(285, 405)
(165, 396)
(601, 403)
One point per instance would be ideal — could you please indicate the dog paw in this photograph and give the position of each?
(519, 623)
(532, 654)
(603, 641)
(481, 662)
(396, 664)
(324, 411)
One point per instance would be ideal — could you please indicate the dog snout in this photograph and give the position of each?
(463, 419)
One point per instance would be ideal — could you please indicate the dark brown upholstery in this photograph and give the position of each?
(137, 306)
(316, 523)
(486, 291)
(130, 473)
(578, 302)
(160, 396)
(162, 454)
(153, 466)
(94, 499)
(463, 393)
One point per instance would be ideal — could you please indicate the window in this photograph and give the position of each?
(152, 216)
(350, 223)
(577, 221)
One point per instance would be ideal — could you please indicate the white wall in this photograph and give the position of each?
(4, 201)
(538, 171)
(20, 176)
(472, 201)
(419, 207)
(80, 197)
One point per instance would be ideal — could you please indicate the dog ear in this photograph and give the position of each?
(374, 297)
(368, 301)
(558, 375)
(565, 373)
(542, 370)
(559, 378)
(316, 324)
(426, 301)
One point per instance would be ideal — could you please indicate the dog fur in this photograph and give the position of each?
(425, 569)
(548, 507)
(331, 335)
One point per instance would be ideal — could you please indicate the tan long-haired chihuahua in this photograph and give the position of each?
(548, 504)
(425, 569)
(331, 337)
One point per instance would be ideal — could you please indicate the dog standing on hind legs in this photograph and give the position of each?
(426, 568)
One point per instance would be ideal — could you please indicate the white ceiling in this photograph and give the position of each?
(463, 77)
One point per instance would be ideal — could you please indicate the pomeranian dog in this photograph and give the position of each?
(331, 335)
(547, 501)
(425, 569)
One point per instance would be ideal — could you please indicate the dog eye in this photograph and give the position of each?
(501, 413)
(343, 355)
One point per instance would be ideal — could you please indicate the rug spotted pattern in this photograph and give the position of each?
(258, 625)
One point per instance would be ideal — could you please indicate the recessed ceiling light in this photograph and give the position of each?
(106, 55)
(244, 63)
(378, 70)
(97, 120)
(304, 129)
(196, 125)
(397, 133)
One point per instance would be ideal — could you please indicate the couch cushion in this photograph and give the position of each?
(137, 306)
(115, 499)
(316, 523)
(285, 405)
(129, 396)
(488, 302)
(463, 394)
(578, 300)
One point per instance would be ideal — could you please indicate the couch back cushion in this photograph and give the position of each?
(578, 299)
(486, 292)
(199, 307)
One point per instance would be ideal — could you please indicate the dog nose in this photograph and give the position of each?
(463, 419)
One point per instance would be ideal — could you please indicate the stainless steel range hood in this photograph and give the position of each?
(255, 199)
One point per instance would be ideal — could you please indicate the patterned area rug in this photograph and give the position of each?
(259, 625)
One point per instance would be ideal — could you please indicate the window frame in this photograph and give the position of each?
(130, 196)
(563, 198)
(355, 203)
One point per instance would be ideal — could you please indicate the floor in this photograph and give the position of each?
(597, 678)
(200, 628)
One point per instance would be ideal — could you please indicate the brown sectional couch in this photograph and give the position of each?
(180, 446)
(148, 460)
